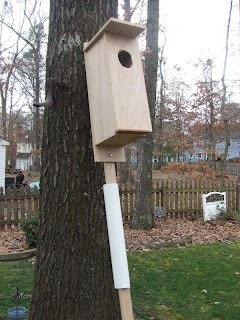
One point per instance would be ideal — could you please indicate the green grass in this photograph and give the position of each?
(165, 284)
(13, 274)
(168, 284)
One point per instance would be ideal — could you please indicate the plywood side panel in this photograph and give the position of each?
(102, 112)
(128, 85)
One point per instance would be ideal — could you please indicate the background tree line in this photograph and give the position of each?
(22, 72)
(182, 112)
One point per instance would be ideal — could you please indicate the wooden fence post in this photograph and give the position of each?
(238, 198)
(1, 212)
(164, 197)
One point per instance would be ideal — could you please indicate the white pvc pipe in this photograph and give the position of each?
(116, 236)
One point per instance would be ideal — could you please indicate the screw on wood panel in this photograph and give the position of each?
(110, 155)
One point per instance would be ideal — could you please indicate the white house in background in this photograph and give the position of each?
(24, 161)
(24, 158)
(24, 146)
(3, 145)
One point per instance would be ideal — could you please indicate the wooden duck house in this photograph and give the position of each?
(116, 89)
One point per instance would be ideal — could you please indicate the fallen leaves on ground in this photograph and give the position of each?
(12, 240)
(180, 232)
(168, 233)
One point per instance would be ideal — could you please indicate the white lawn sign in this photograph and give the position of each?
(213, 204)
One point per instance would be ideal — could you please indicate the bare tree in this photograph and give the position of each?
(224, 113)
(33, 39)
(160, 112)
(143, 211)
(8, 66)
(5, 88)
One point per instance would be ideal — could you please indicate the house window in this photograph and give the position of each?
(209, 157)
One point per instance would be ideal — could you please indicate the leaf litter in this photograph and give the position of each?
(176, 232)
(169, 232)
(12, 240)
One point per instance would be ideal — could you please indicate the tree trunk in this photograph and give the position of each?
(36, 122)
(143, 211)
(124, 168)
(223, 104)
(127, 10)
(4, 92)
(224, 156)
(4, 115)
(211, 126)
(73, 278)
(162, 103)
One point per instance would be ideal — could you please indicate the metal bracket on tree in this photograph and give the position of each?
(51, 93)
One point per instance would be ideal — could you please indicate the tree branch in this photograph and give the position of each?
(19, 34)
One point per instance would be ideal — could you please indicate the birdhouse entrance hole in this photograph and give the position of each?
(116, 89)
(125, 59)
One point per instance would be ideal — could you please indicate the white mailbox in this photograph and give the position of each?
(116, 89)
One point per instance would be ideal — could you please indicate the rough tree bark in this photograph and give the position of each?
(124, 168)
(73, 278)
(143, 211)
(162, 99)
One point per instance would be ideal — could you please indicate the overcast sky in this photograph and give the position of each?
(197, 29)
(194, 27)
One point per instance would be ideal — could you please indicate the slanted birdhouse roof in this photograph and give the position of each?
(116, 26)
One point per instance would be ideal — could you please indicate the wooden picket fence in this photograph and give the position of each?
(17, 204)
(180, 199)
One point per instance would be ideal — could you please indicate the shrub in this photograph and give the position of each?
(30, 228)
(229, 214)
